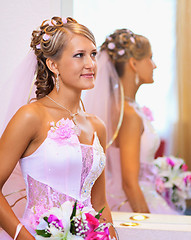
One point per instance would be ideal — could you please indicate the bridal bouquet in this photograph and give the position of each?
(173, 181)
(72, 221)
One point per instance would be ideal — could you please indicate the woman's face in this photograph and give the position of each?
(145, 69)
(77, 65)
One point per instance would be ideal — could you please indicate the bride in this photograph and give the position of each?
(60, 147)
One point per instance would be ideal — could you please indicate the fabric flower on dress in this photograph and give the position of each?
(64, 130)
(147, 113)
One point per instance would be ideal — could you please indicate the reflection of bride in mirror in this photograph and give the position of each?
(125, 60)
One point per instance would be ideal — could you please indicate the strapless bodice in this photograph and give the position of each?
(150, 139)
(62, 168)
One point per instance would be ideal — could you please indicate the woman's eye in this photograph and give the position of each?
(79, 55)
(94, 54)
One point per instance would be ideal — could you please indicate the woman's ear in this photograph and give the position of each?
(52, 65)
(133, 64)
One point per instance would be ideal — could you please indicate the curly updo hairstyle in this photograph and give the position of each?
(49, 42)
(124, 44)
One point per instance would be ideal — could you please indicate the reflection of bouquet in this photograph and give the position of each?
(173, 181)
(72, 221)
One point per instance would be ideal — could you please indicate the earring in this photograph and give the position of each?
(57, 82)
(136, 79)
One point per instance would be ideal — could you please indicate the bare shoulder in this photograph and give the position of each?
(131, 115)
(99, 127)
(30, 113)
(28, 117)
(131, 119)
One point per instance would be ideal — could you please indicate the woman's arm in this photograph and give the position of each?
(129, 143)
(98, 195)
(13, 143)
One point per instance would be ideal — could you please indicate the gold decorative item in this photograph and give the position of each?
(138, 217)
(129, 224)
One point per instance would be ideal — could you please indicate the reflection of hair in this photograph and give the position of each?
(49, 42)
(124, 44)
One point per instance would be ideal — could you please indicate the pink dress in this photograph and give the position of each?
(60, 169)
(149, 144)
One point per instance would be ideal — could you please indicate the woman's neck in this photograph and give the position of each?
(130, 87)
(69, 99)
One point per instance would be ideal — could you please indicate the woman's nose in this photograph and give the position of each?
(89, 62)
(154, 65)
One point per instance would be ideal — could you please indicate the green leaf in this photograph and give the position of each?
(74, 210)
(99, 213)
(72, 226)
(43, 233)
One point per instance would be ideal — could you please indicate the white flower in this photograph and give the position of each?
(42, 225)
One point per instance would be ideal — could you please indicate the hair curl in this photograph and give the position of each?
(124, 44)
(49, 42)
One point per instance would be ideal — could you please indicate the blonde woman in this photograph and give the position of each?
(124, 64)
(60, 147)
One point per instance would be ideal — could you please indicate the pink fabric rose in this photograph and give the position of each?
(62, 130)
(147, 113)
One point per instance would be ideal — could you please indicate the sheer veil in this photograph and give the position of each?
(106, 99)
(14, 93)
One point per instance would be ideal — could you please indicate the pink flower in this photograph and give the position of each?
(98, 235)
(121, 52)
(147, 113)
(184, 167)
(132, 39)
(170, 162)
(63, 130)
(187, 179)
(93, 222)
(46, 37)
(55, 221)
(159, 185)
(64, 20)
(111, 45)
(38, 46)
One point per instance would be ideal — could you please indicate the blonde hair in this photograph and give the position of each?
(49, 42)
(124, 44)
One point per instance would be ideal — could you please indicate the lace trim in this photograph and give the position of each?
(96, 170)
(87, 161)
